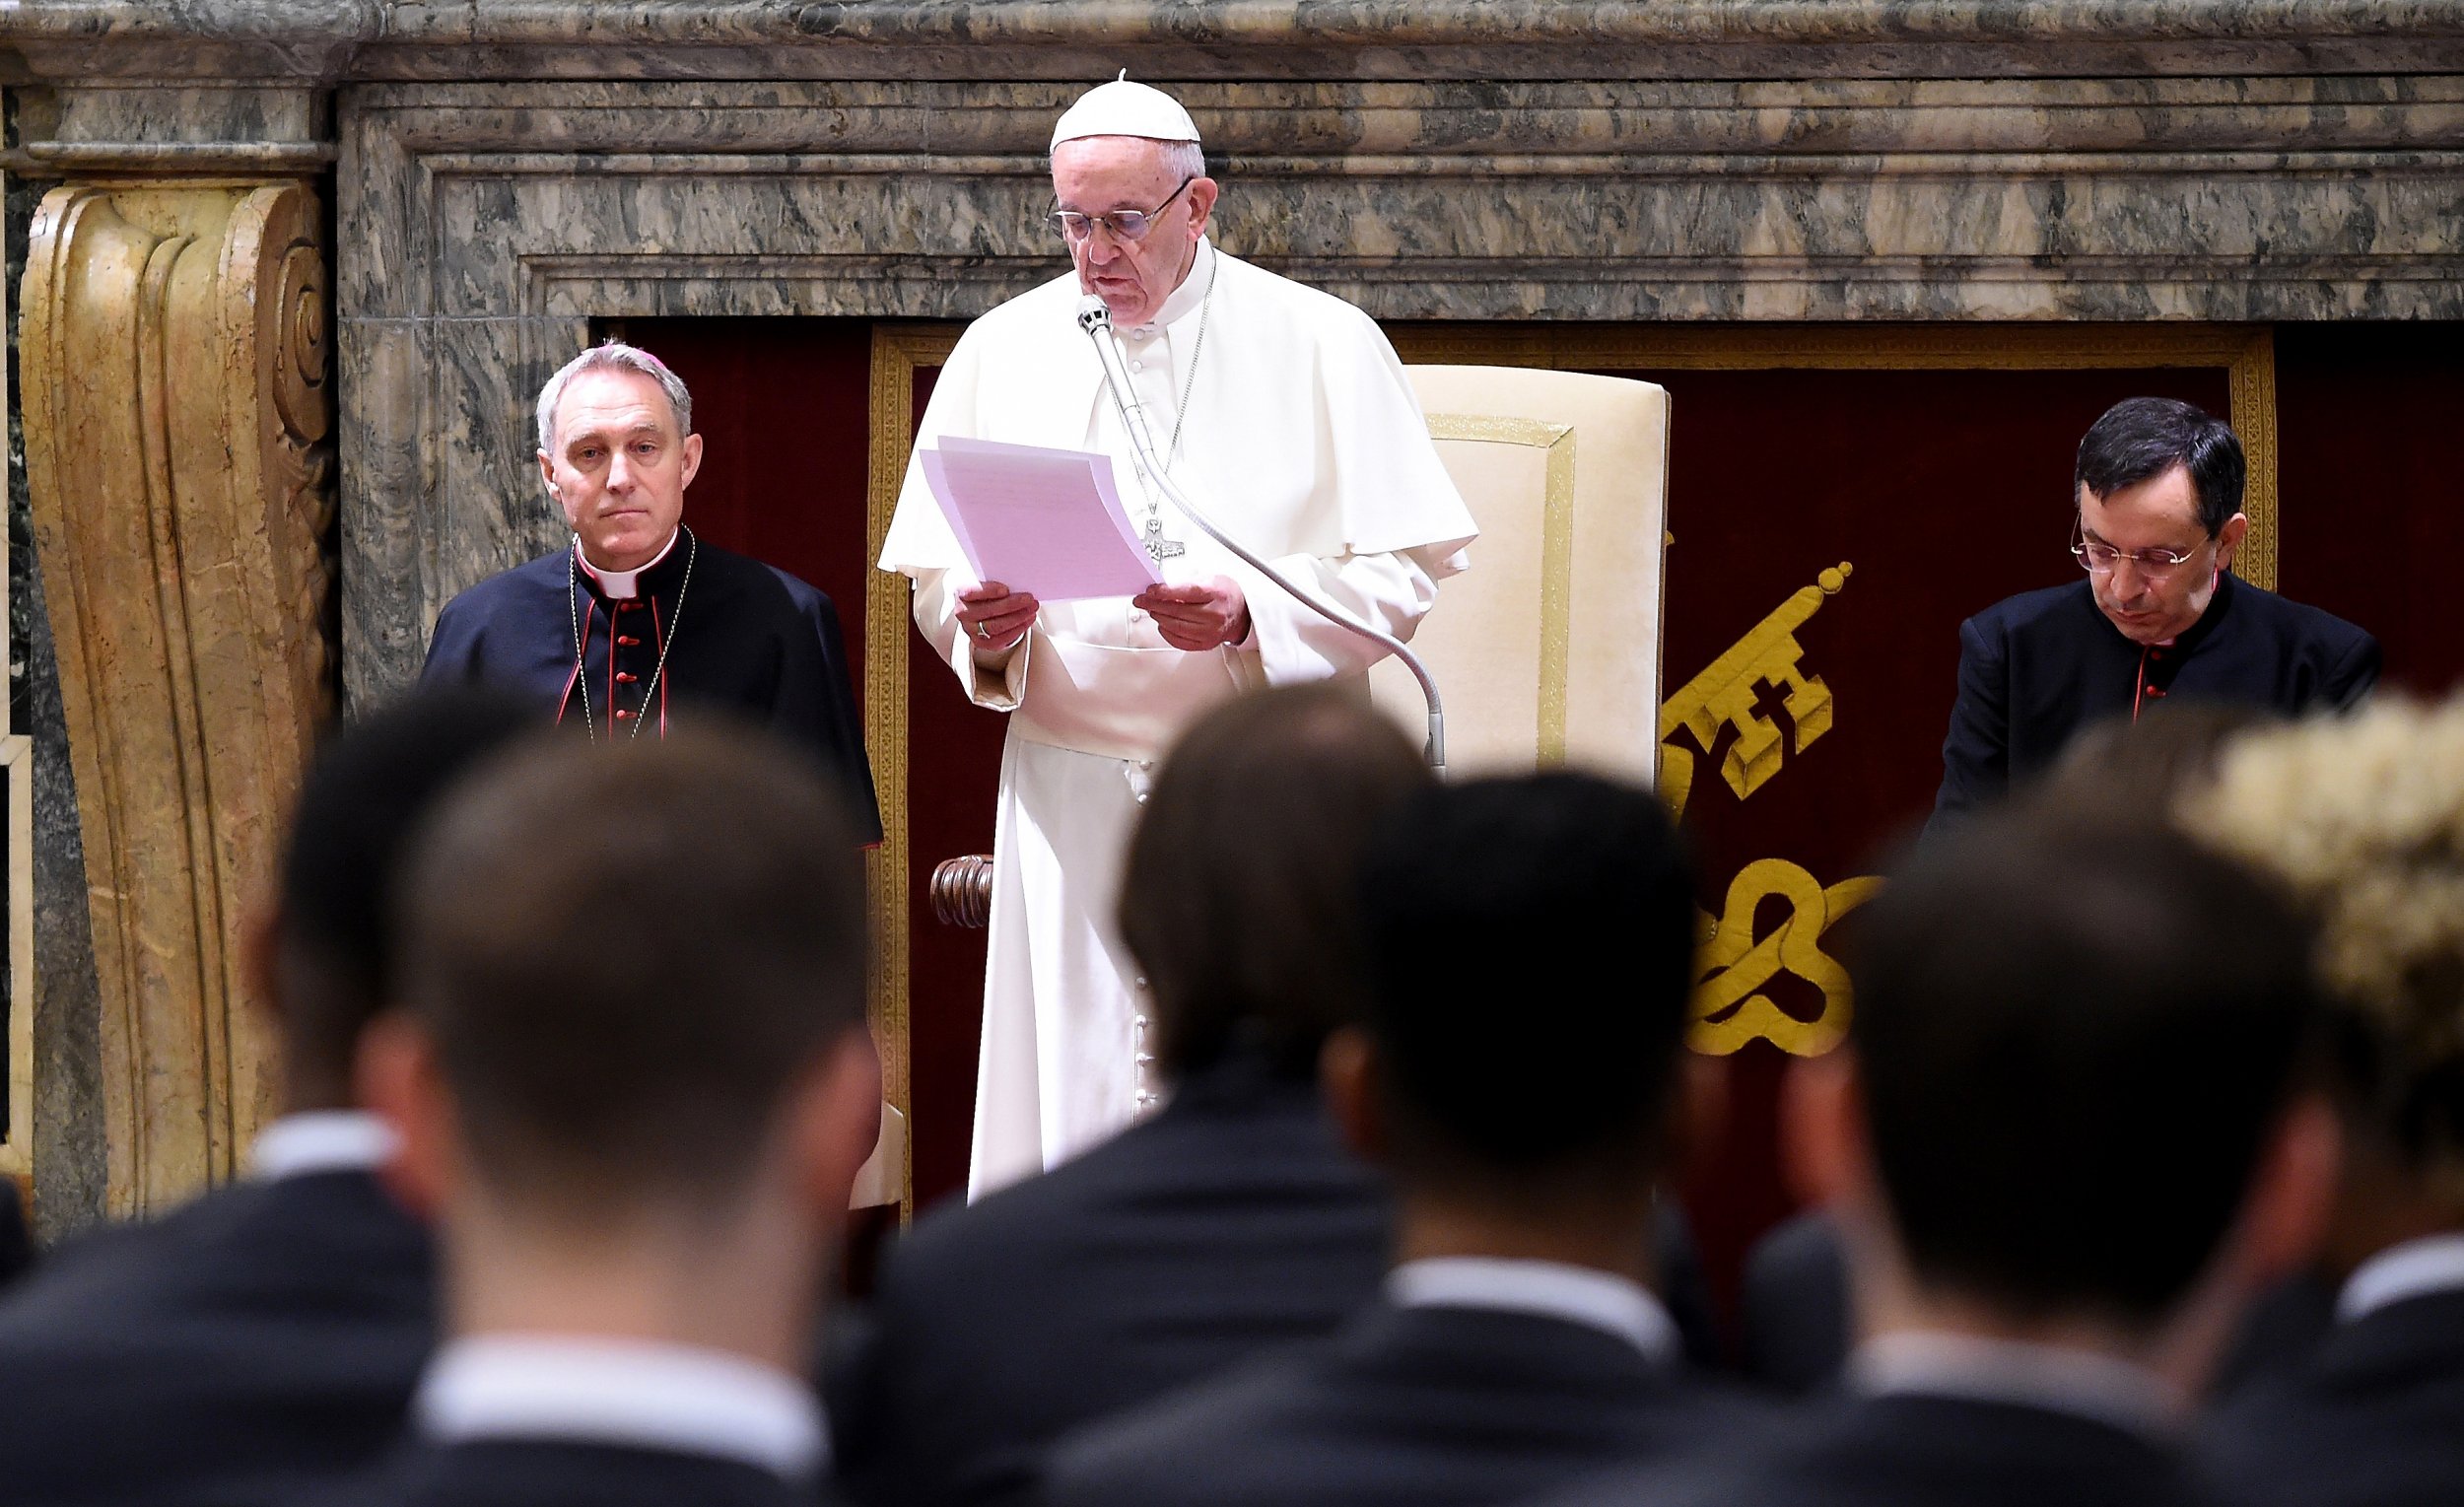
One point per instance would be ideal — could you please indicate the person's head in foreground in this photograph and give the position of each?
(1238, 900)
(633, 1078)
(2363, 818)
(2068, 1112)
(1130, 195)
(1531, 944)
(2158, 484)
(324, 956)
(2128, 768)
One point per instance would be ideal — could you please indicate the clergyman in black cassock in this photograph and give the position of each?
(614, 654)
(267, 1336)
(2037, 668)
(2158, 616)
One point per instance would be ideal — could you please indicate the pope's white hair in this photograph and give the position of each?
(614, 355)
(1182, 158)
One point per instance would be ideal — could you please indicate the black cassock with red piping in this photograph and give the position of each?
(700, 629)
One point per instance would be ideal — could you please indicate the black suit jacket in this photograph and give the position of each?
(1413, 1406)
(1793, 1313)
(2376, 1421)
(261, 1339)
(2037, 667)
(524, 1473)
(1913, 1451)
(1230, 1222)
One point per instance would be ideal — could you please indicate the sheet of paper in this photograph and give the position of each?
(1048, 523)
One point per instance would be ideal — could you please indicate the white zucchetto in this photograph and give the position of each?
(1124, 108)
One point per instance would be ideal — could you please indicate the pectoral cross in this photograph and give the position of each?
(1159, 548)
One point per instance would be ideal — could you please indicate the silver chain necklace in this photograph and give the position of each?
(667, 640)
(1159, 548)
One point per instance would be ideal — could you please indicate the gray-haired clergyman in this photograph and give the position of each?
(640, 623)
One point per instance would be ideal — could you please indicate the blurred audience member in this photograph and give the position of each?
(2364, 818)
(267, 1336)
(1525, 1120)
(635, 1086)
(1229, 1220)
(2065, 1145)
(1795, 1327)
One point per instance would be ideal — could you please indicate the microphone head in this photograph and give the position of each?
(1092, 314)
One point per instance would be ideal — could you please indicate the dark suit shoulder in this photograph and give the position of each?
(1426, 1405)
(269, 1335)
(2374, 1420)
(553, 1474)
(1905, 1450)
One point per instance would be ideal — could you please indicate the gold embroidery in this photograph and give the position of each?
(1731, 965)
(1725, 693)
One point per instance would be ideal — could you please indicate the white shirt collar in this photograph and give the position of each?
(624, 585)
(636, 1393)
(320, 1141)
(1581, 1295)
(2411, 1270)
(2053, 1378)
(1183, 301)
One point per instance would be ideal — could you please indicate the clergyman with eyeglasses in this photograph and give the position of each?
(2159, 615)
(1283, 412)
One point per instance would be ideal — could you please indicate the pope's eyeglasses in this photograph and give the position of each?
(1123, 224)
(2098, 558)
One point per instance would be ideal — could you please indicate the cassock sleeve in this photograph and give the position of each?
(815, 705)
(2353, 676)
(453, 656)
(1976, 752)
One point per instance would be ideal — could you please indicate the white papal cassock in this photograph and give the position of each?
(1303, 440)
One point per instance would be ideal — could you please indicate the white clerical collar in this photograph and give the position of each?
(320, 1141)
(2414, 1268)
(1183, 299)
(2052, 1378)
(627, 1393)
(1582, 1295)
(624, 585)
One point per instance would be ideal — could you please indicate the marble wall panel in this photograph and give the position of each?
(488, 223)
(1084, 39)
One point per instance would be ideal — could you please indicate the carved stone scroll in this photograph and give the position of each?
(174, 352)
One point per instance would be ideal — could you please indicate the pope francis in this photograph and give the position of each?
(1281, 410)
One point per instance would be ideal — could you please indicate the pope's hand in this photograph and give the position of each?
(1197, 615)
(994, 616)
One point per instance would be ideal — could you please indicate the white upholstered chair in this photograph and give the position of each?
(1547, 649)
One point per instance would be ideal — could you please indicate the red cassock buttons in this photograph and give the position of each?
(626, 677)
(628, 639)
(624, 717)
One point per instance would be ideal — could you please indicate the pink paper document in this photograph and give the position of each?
(1044, 521)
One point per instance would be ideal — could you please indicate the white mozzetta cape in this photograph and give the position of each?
(1303, 440)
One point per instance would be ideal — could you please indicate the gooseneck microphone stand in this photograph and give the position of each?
(1096, 320)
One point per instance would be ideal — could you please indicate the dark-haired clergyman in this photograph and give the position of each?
(2157, 616)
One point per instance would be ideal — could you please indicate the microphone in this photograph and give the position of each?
(1096, 320)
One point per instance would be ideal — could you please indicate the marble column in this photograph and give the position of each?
(174, 353)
